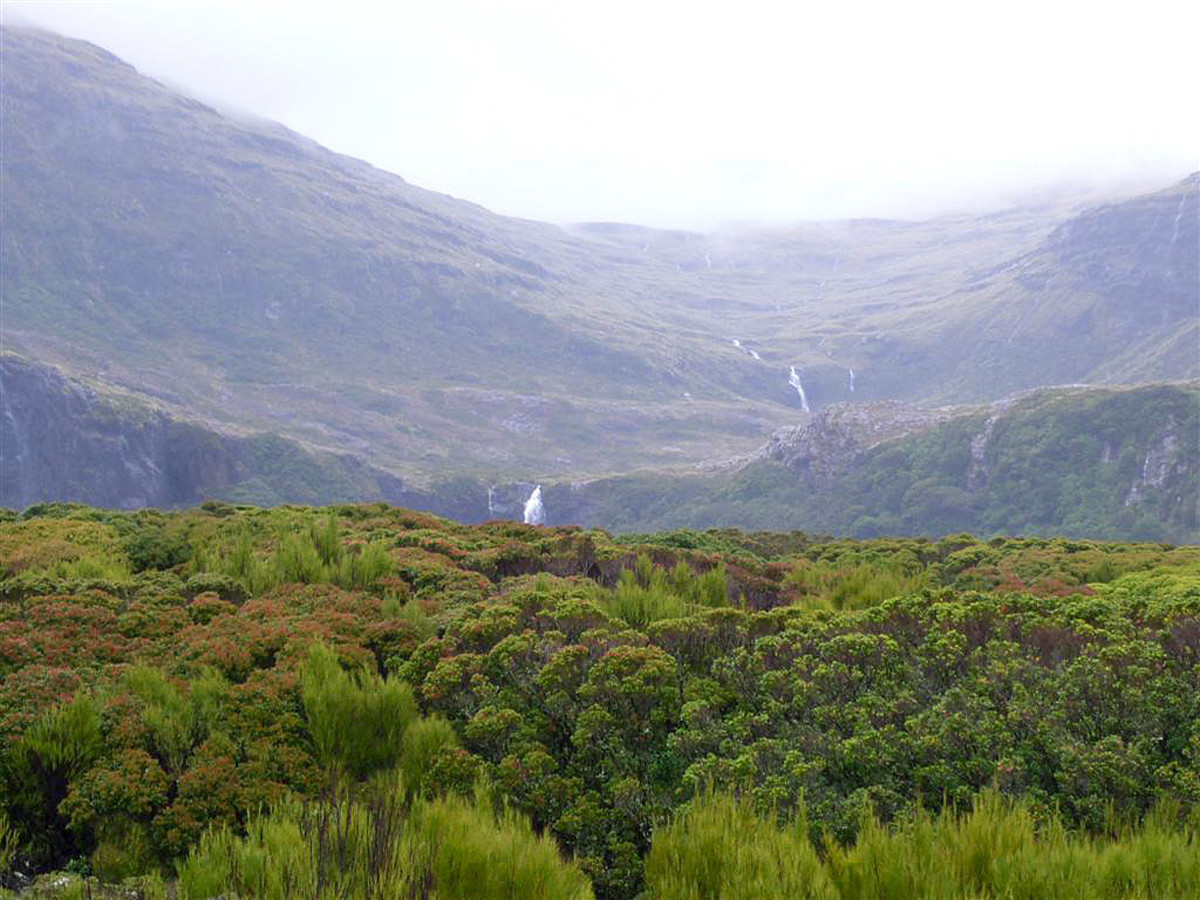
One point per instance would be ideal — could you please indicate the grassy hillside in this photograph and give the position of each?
(362, 701)
(242, 275)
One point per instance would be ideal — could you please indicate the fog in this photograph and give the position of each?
(692, 114)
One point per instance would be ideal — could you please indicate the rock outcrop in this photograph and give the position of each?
(838, 436)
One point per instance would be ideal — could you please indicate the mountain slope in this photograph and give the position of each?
(239, 274)
(285, 281)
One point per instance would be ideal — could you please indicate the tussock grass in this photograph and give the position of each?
(315, 555)
(648, 593)
(357, 720)
(376, 848)
(848, 587)
(721, 847)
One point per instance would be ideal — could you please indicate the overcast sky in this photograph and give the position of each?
(692, 113)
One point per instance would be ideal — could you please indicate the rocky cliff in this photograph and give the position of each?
(1119, 463)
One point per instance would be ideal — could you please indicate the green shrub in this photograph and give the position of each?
(223, 586)
(150, 547)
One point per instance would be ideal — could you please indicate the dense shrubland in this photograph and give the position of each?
(364, 701)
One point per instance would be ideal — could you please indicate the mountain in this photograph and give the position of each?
(235, 276)
(243, 274)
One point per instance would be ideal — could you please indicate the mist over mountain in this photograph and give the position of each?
(235, 276)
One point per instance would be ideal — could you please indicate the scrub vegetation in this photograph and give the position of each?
(362, 701)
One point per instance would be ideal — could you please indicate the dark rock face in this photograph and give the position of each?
(62, 440)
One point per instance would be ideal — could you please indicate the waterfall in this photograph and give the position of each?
(851, 371)
(753, 354)
(794, 381)
(535, 512)
(491, 500)
(1178, 219)
(708, 260)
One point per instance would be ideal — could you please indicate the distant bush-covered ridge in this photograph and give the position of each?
(1109, 463)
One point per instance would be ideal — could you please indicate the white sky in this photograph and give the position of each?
(691, 113)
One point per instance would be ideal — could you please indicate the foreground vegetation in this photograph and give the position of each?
(366, 702)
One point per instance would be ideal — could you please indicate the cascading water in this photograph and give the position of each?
(851, 371)
(753, 354)
(535, 511)
(1178, 219)
(794, 381)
